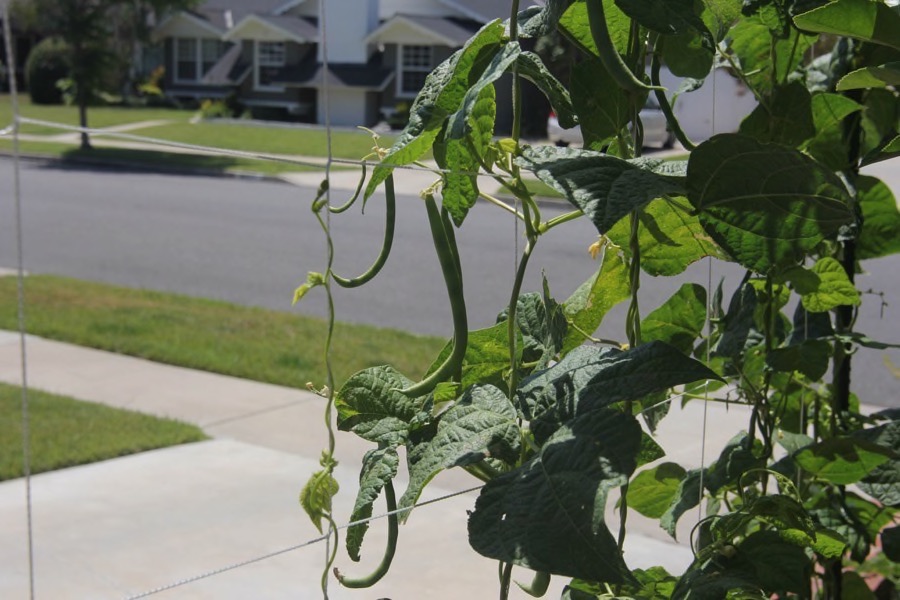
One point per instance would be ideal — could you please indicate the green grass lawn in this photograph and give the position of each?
(65, 432)
(251, 343)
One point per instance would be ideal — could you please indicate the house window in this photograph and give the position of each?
(270, 58)
(415, 65)
(194, 58)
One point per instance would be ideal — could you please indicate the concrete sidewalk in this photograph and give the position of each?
(124, 526)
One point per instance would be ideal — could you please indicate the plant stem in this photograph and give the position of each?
(505, 581)
(565, 218)
(511, 327)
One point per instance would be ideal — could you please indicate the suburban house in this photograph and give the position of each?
(270, 53)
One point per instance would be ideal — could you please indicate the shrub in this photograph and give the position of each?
(47, 64)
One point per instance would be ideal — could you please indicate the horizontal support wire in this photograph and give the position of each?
(305, 544)
(213, 151)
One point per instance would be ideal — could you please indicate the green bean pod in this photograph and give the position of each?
(335, 210)
(538, 586)
(663, 101)
(445, 245)
(385, 564)
(609, 56)
(390, 221)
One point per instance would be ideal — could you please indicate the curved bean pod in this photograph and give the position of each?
(445, 245)
(385, 564)
(609, 56)
(335, 210)
(390, 220)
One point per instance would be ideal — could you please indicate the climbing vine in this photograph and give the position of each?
(553, 420)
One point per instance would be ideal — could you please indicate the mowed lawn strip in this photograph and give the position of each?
(251, 343)
(64, 432)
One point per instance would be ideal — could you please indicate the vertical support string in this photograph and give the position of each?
(20, 291)
(331, 541)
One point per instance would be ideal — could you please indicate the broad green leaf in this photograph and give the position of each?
(832, 289)
(871, 77)
(720, 15)
(574, 25)
(542, 322)
(827, 145)
(371, 405)
(460, 156)
(775, 565)
(786, 118)
(809, 326)
(782, 512)
(650, 450)
(842, 460)
(736, 459)
(686, 497)
(482, 424)
(680, 320)
(316, 495)
(532, 68)
(443, 92)
(753, 44)
(589, 378)
(854, 587)
(714, 583)
(603, 108)
(688, 54)
(548, 515)
(652, 491)
(880, 235)
(860, 19)
(663, 16)
(587, 306)
(881, 122)
(378, 468)
(765, 205)
(890, 543)
(883, 483)
(856, 520)
(486, 358)
(500, 63)
(738, 325)
(810, 358)
(605, 188)
(825, 542)
(670, 237)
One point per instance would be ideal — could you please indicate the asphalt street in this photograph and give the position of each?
(252, 242)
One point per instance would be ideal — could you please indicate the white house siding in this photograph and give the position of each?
(348, 22)
(717, 107)
(347, 107)
(426, 8)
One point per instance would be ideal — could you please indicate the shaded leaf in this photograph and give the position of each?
(809, 326)
(827, 145)
(786, 118)
(736, 458)
(548, 515)
(605, 188)
(772, 563)
(603, 107)
(770, 220)
(890, 543)
(378, 468)
(883, 482)
(842, 460)
(810, 358)
(753, 44)
(688, 54)
(687, 496)
(480, 425)
(588, 379)
(532, 68)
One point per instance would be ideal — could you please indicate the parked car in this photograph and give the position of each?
(656, 131)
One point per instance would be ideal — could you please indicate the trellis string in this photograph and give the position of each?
(20, 293)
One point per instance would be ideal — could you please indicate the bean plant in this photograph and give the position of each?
(803, 503)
